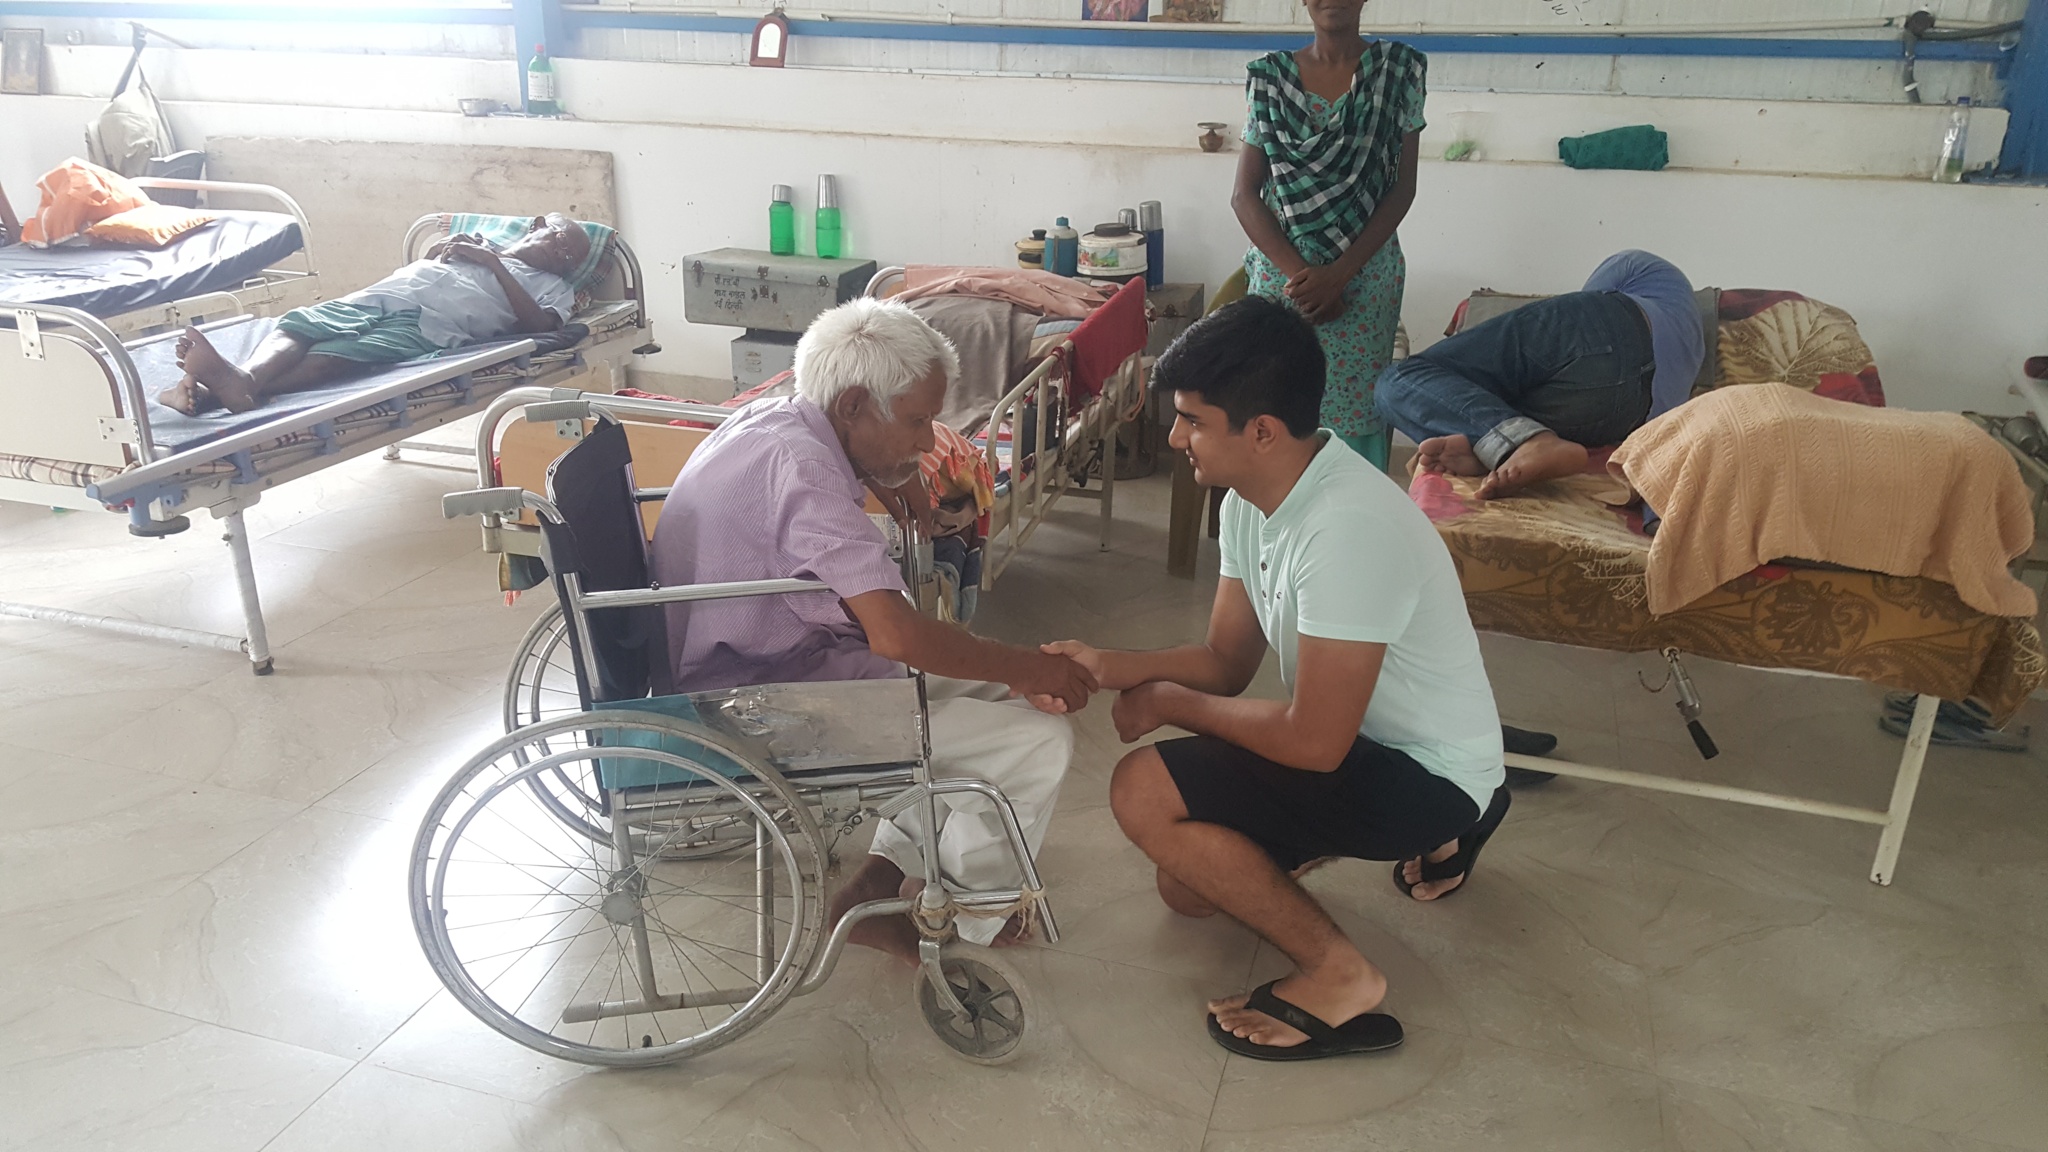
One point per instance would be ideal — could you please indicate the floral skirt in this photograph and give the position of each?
(1357, 345)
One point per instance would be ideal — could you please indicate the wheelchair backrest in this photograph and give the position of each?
(601, 542)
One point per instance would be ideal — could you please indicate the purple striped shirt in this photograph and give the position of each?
(771, 495)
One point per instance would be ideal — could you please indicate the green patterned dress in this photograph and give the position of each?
(1322, 201)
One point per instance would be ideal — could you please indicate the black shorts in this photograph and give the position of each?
(1380, 804)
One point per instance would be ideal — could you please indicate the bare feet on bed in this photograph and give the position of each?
(187, 395)
(877, 880)
(1452, 454)
(233, 387)
(1544, 456)
(1343, 988)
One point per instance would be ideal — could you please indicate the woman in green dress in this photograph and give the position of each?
(1327, 177)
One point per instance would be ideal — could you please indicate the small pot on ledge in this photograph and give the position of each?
(1212, 138)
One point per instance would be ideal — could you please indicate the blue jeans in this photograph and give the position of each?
(1578, 365)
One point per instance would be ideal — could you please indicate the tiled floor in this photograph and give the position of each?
(204, 941)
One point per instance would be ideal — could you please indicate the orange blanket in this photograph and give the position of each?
(1762, 472)
(1040, 292)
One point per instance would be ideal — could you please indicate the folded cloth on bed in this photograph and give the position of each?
(1763, 472)
(1041, 292)
(993, 338)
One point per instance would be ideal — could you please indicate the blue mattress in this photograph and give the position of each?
(156, 361)
(109, 281)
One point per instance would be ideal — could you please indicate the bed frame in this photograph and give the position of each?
(92, 423)
(290, 283)
(1089, 435)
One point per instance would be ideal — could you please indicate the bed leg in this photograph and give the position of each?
(245, 581)
(1108, 485)
(391, 451)
(1903, 791)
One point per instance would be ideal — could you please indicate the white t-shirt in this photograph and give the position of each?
(1347, 556)
(464, 303)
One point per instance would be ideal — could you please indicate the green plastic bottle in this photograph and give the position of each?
(540, 84)
(828, 218)
(782, 220)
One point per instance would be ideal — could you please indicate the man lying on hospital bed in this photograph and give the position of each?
(1520, 398)
(777, 492)
(463, 292)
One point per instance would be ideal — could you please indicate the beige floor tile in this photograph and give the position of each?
(86, 1072)
(298, 734)
(75, 830)
(304, 937)
(1924, 1024)
(375, 1108)
(65, 687)
(1440, 1092)
(452, 621)
(1700, 1119)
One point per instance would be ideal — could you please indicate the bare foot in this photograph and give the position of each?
(234, 388)
(1452, 454)
(1411, 871)
(1335, 993)
(1544, 456)
(877, 879)
(187, 395)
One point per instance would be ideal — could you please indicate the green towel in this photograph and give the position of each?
(1640, 148)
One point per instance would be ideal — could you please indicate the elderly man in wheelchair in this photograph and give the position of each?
(582, 885)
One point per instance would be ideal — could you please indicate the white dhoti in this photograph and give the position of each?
(977, 731)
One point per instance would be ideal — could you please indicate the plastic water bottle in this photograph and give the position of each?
(782, 220)
(540, 84)
(1062, 249)
(1954, 143)
(828, 218)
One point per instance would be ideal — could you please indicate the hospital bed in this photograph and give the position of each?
(88, 432)
(1073, 435)
(245, 263)
(1558, 564)
(638, 878)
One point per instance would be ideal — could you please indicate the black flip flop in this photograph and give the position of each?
(1366, 1032)
(1460, 863)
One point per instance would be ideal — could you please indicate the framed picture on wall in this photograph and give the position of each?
(21, 61)
(1127, 10)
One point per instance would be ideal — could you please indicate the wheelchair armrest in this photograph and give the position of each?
(553, 411)
(483, 502)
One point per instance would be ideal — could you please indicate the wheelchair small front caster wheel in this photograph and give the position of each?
(997, 1000)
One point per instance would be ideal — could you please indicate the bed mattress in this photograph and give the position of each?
(1562, 565)
(107, 282)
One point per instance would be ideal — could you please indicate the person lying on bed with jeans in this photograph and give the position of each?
(1521, 397)
(463, 292)
(777, 492)
(1387, 746)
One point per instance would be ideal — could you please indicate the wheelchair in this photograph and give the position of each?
(632, 876)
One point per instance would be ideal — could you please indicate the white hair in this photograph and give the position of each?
(879, 345)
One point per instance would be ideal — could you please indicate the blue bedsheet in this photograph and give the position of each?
(109, 281)
(157, 362)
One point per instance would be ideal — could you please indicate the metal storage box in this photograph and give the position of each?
(748, 289)
(757, 355)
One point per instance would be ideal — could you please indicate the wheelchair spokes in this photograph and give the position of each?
(615, 950)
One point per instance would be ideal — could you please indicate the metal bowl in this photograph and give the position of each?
(480, 106)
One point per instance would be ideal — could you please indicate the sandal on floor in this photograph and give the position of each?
(1366, 1032)
(1459, 863)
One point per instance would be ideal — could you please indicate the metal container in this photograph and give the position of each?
(1149, 217)
(759, 355)
(1128, 217)
(746, 288)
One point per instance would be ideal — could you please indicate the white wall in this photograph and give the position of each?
(1948, 282)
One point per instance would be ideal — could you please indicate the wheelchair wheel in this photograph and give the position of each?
(542, 686)
(997, 1000)
(612, 951)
